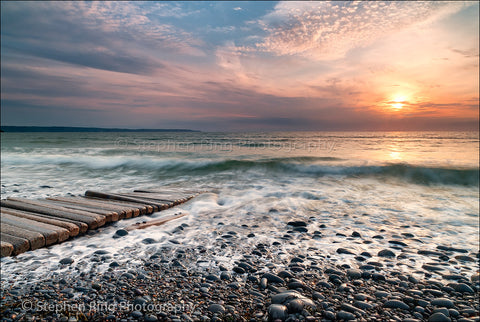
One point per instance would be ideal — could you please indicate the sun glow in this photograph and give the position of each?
(398, 102)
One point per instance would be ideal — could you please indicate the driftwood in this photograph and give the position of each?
(6, 249)
(155, 222)
(91, 222)
(73, 228)
(122, 211)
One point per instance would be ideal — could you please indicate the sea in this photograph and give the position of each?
(418, 187)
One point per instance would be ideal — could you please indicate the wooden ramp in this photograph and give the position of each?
(31, 224)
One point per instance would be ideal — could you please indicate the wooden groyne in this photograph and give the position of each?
(31, 224)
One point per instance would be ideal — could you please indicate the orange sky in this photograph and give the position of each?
(242, 66)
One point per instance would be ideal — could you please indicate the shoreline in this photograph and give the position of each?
(178, 282)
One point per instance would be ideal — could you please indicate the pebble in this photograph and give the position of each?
(386, 253)
(354, 273)
(297, 223)
(438, 317)
(463, 288)
(272, 278)
(346, 316)
(396, 304)
(277, 312)
(216, 308)
(442, 302)
(344, 251)
(66, 261)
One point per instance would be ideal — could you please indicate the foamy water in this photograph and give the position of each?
(424, 184)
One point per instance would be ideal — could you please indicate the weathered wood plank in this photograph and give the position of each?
(91, 222)
(20, 245)
(155, 222)
(90, 193)
(51, 233)
(6, 249)
(166, 203)
(74, 228)
(35, 239)
(109, 215)
(142, 208)
(123, 212)
(99, 218)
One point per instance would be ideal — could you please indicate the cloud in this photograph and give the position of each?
(103, 35)
(329, 29)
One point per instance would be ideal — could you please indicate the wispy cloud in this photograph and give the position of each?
(329, 29)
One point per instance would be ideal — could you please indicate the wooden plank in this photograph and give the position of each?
(169, 202)
(74, 228)
(90, 193)
(110, 216)
(35, 239)
(155, 222)
(161, 204)
(142, 208)
(91, 222)
(99, 218)
(51, 233)
(20, 245)
(122, 211)
(6, 249)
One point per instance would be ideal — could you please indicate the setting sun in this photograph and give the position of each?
(398, 102)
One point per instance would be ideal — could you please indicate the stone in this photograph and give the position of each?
(386, 253)
(442, 302)
(216, 308)
(396, 304)
(344, 251)
(438, 317)
(66, 261)
(297, 223)
(272, 278)
(354, 274)
(346, 316)
(277, 312)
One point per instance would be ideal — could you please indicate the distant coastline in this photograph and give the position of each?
(82, 129)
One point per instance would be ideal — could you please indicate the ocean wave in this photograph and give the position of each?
(297, 166)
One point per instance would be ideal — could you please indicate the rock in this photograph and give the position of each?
(356, 234)
(344, 251)
(463, 288)
(216, 308)
(225, 276)
(300, 229)
(396, 304)
(438, 317)
(288, 296)
(149, 241)
(386, 253)
(277, 312)
(238, 270)
(397, 242)
(211, 277)
(452, 249)
(272, 278)
(442, 302)
(136, 314)
(66, 261)
(354, 274)
(96, 286)
(297, 223)
(121, 233)
(346, 316)
(381, 294)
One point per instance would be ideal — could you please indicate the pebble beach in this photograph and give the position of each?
(342, 234)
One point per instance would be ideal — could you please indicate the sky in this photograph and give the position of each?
(241, 66)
